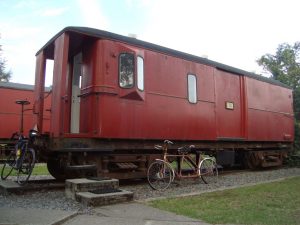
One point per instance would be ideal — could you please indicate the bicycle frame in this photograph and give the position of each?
(193, 164)
(20, 149)
(173, 172)
(185, 160)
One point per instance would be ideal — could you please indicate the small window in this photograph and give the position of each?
(192, 88)
(126, 70)
(140, 73)
(229, 105)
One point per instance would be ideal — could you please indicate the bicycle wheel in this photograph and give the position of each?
(160, 175)
(26, 167)
(8, 165)
(209, 171)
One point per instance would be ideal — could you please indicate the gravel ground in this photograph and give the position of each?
(142, 191)
(185, 187)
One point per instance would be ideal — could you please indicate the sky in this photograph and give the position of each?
(232, 32)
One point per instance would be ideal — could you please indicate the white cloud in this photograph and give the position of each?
(20, 44)
(11, 32)
(138, 3)
(92, 14)
(26, 4)
(54, 12)
(233, 32)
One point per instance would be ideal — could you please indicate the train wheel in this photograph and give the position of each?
(251, 161)
(209, 171)
(56, 169)
(160, 175)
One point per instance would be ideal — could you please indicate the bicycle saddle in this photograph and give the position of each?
(158, 147)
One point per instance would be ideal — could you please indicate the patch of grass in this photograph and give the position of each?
(276, 203)
(39, 169)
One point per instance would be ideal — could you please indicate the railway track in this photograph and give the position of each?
(35, 184)
(223, 172)
(47, 183)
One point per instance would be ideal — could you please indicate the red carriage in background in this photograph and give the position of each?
(15, 99)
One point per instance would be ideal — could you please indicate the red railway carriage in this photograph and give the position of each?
(116, 96)
(10, 112)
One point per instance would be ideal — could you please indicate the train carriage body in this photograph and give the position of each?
(115, 96)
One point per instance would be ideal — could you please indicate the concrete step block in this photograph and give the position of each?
(72, 186)
(91, 199)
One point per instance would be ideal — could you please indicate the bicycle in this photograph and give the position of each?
(21, 159)
(161, 173)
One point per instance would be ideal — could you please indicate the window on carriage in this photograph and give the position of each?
(140, 73)
(126, 70)
(192, 88)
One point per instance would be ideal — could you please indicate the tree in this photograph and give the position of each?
(4, 75)
(285, 67)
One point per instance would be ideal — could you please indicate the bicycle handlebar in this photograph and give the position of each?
(15, 136)
(168, 142)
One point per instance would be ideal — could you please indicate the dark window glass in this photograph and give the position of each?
(126, 70)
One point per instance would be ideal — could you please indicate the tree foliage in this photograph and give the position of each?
(285, 67)
(4, 75)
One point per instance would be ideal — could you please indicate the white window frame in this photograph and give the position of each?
(140, 73)
(192, 88)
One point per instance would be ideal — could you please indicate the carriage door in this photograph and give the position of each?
(229, 106)
(76, 87)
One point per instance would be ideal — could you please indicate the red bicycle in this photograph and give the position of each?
(162, 172)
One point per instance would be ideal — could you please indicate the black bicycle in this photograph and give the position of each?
(21, 159)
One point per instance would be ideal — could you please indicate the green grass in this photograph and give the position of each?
(188, 165)
(39, 169)
(273, 203)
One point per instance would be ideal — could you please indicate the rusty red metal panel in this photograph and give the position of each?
(270, 110)
(47, 112)
(270, 126)
(38, 106)
(59, 88)
(90, 67)
(244, 106)
(228, 105)
(165, 112)
(268, 97)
